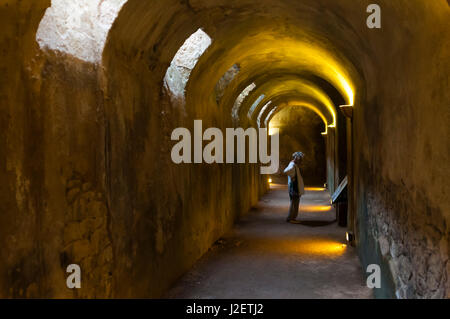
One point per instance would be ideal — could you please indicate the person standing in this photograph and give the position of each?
(296, 186)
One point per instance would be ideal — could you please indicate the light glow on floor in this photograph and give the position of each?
(315, 189)
(315, 208)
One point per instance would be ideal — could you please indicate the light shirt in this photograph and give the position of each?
(290, 171)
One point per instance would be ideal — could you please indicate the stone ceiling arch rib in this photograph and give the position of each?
(269, 52)
(297, 88)
(294, 103)
(279, 75)
(184, 61)
(295, 100)
(268, 37)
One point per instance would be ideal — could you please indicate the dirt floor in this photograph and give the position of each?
(265, 257)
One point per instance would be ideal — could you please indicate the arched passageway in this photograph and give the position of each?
(300, 129)
(94, 89)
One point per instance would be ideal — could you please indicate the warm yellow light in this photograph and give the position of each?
(273, 130)
(315, 208)
(302, 246)
(316, 93)
(315, 189)
(349, 237)
(347, 88)
(279, 51)
(325, 100)
(311, 56)
(270, 180)
(318, 112)
(298, 103)
(320, 247)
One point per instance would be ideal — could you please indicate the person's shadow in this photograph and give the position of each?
(316, 223)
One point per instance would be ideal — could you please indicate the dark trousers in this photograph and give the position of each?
(293, 208)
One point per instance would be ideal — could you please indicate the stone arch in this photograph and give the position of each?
(78, 28)
(294, 103)
(184, 62)
(240, 99)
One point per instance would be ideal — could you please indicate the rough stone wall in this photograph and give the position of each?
(73, 162)
(81, 186)
(175, 211)
(18, 209)
(401, 136)
(53, 201)
(86, 238)
(300, 130)
(413, 242)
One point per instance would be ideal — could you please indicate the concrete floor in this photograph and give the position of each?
(265, 257)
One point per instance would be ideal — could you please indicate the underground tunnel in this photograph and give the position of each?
(92, 90)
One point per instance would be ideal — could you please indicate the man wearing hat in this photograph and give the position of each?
(296, 186)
